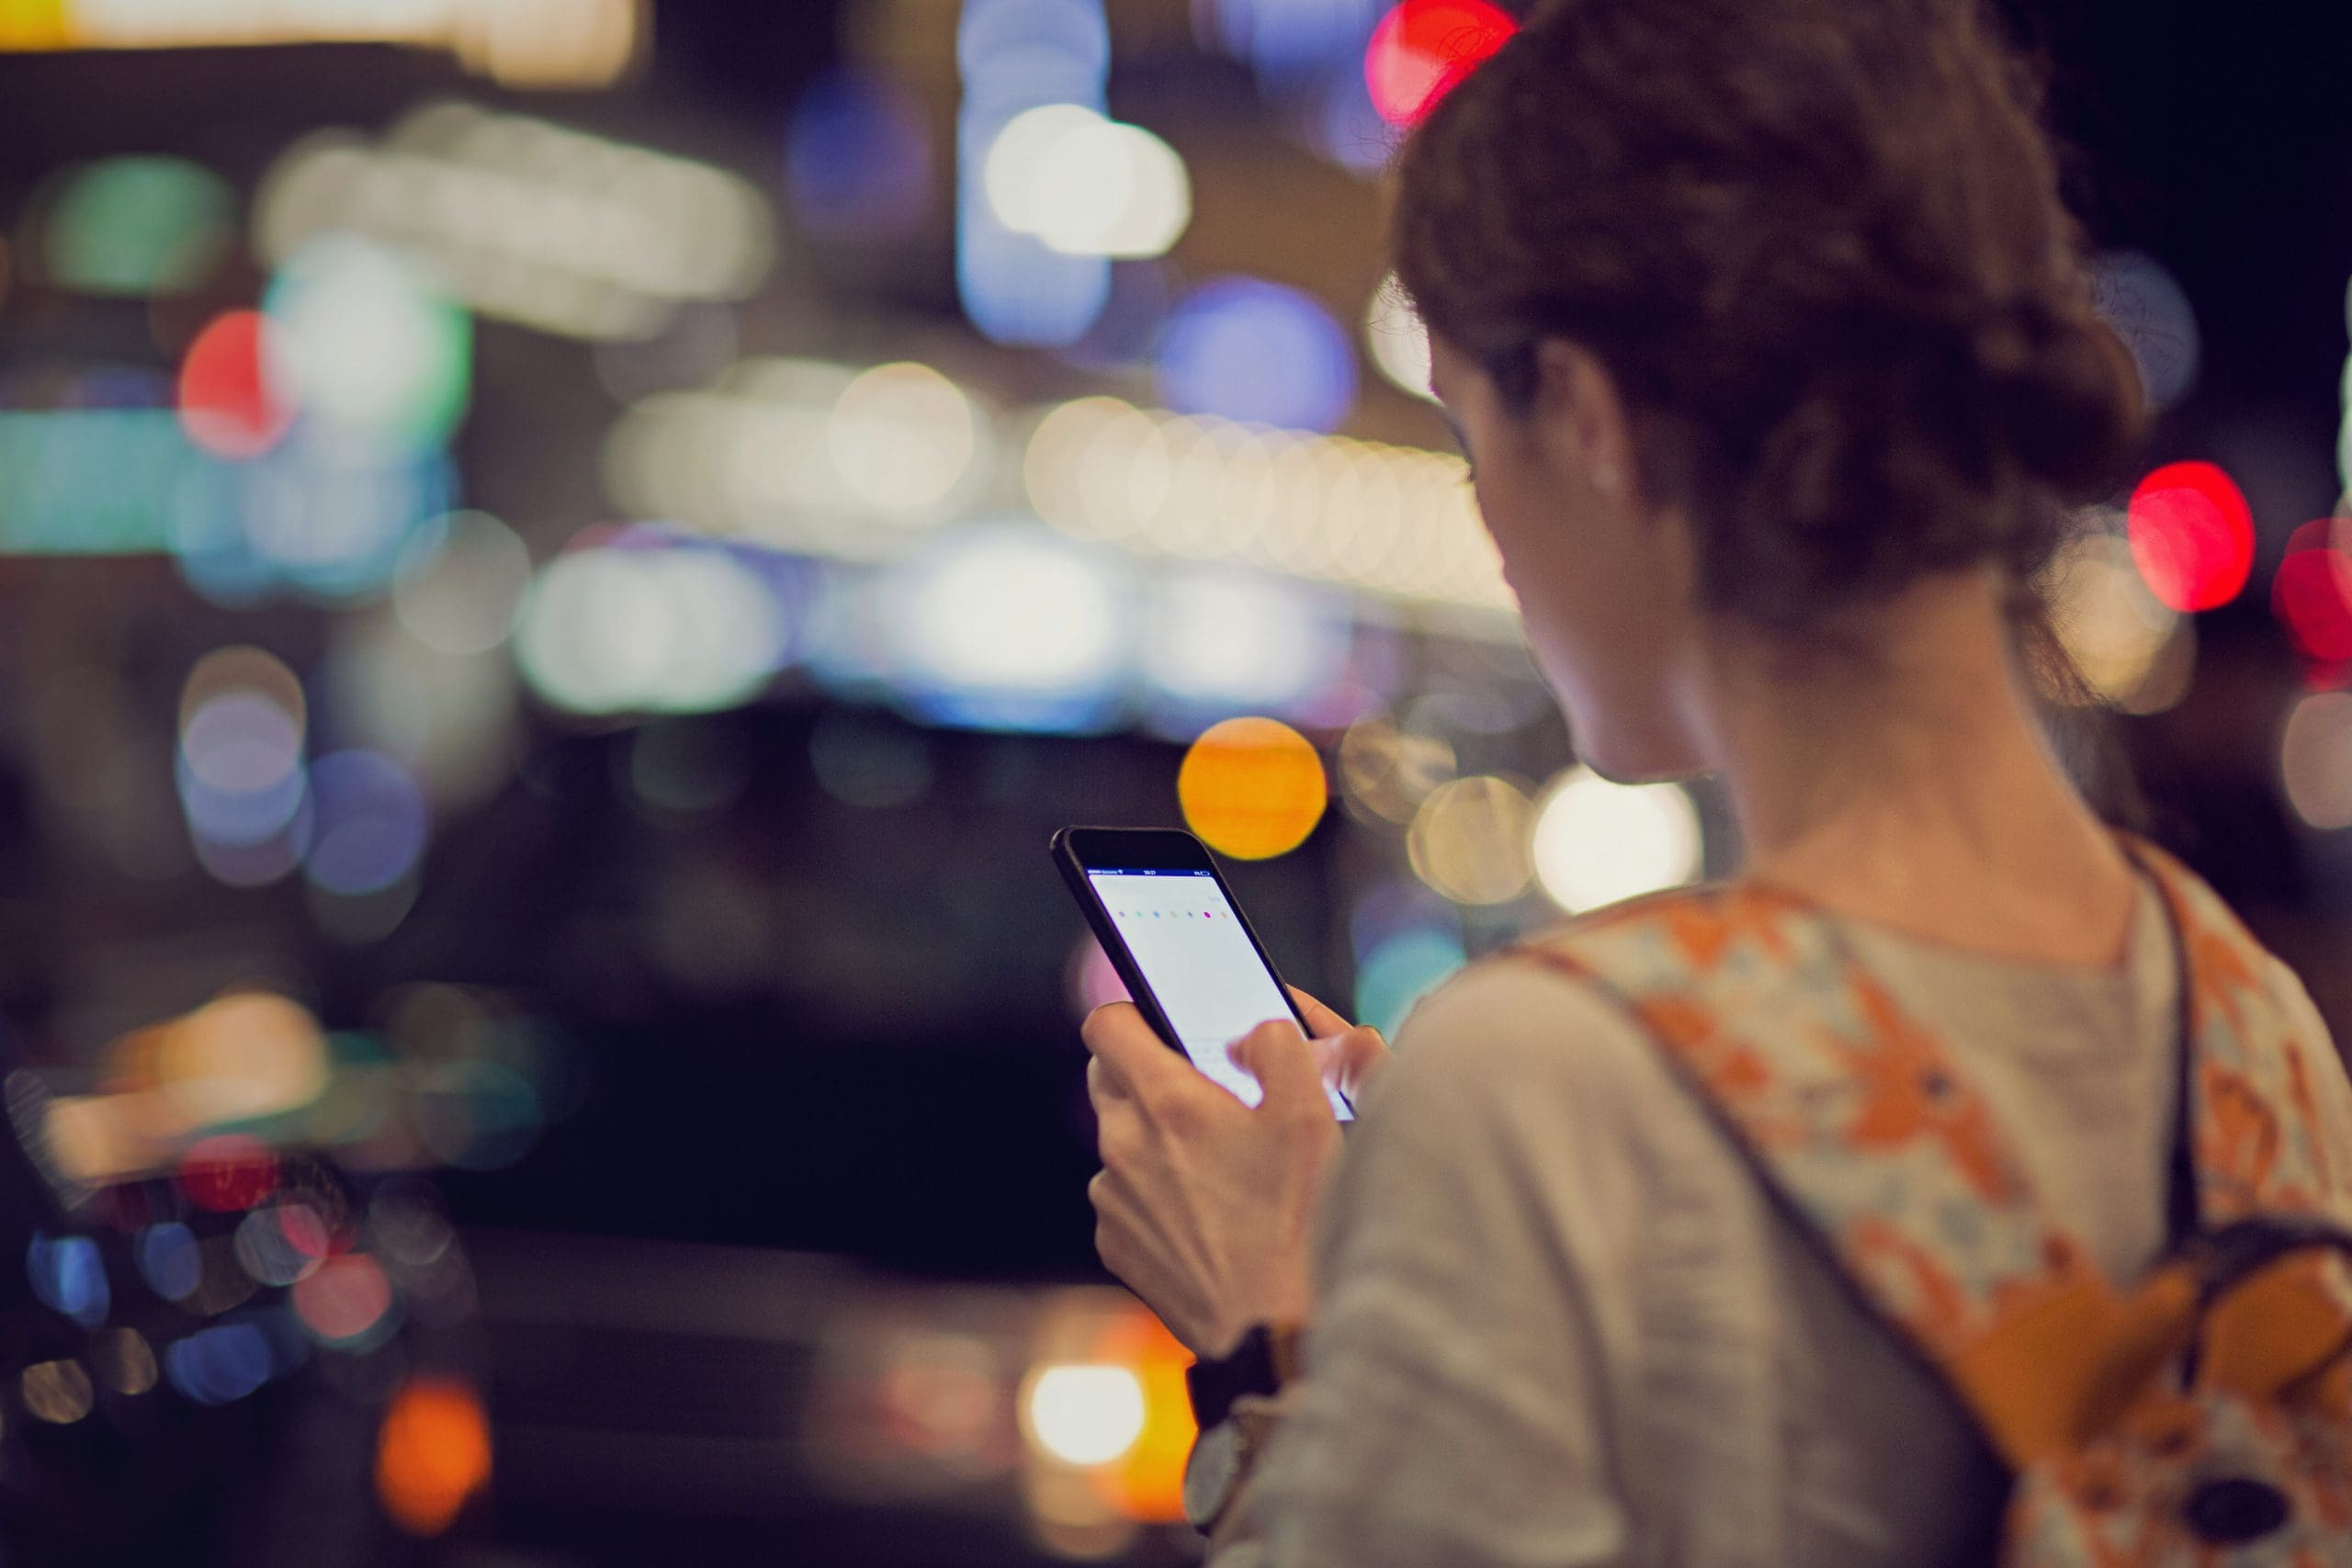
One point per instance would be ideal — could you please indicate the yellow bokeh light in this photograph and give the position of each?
(1252, 788)
(1469, 840)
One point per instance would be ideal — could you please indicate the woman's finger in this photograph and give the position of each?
(1116, 1034)
(1103, 1083)
(1321, 1020)
(1354, 1059)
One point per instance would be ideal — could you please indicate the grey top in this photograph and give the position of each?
(1558, 1322)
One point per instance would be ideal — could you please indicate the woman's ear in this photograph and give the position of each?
(1580, 409)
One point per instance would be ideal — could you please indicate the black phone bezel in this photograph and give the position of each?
(1077, 850)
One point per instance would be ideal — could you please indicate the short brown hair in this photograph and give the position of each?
(1820, 245)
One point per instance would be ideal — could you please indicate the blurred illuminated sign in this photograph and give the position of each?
(524, 43)
(527, 220)
(324, 518)
(92, 481)
(817, 459)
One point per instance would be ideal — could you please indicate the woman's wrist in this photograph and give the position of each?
(1261, 1361)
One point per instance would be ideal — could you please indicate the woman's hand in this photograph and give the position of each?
(1204, 1204)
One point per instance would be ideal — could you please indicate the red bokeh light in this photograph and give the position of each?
(231, 403)
(1423, 48)
(345, 1298)
(2192, 536)
(228, 1173)
(2312, 595)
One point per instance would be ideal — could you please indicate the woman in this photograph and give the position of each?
(1764, 329)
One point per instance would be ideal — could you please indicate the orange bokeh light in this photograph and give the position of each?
(2192, 536)
(1252, 788)
(432, 1453)
(1148, 1481)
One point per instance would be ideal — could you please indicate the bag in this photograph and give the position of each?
(2203, 1415)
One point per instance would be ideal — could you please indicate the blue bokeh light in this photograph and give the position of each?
(215, 1365)
(1401, 971)
(1260, 353)
(170, 1261)
(1017, 55)
(70, 1277)
(1285, 38)
(370, 826)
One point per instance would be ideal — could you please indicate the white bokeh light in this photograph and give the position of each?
(1009, 611)
(1087, 185)
(902, 437)
(1085, 1415)
(1398, 338)
(1597, 842)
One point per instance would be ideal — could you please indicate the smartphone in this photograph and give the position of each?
(1188, 957)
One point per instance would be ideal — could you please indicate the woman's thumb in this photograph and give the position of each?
(1279, 1057)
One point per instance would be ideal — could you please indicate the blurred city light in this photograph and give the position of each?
(460, 583)
(1016, 56)
(520, 43)
(137, 227)
(1252, 788)
(2192, 536)
(1084, 1414)
(449, 718)
(326, 516)
(368, 341)
(1003, 627)
(369, 826)
(807, 456)
(1396, 520)
(94, 481)
(1469, 840)
(248, 1055)
(656, 625)
(431, 1453)
(243, 786)
(57, 1391)
(1388, 771)
(344, 1301)
(220, 1364)
(232, 399)
(1398, 340)
(1286, 39)
(1221, 642)
(1597, 842)
(2311, 594)
(525, 221)
(169, 1260)
(858, 161)
(2315, 759)
(903, 437)
(1421, 47)
(2150, 311)
(2135, 651)
(125, 1361)
(1259, 353)
(69, 1277)
(1399, 971)
(1087, 185)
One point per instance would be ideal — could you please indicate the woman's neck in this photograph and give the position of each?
(1915, 787)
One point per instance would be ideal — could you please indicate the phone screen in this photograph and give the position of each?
(1201, 966)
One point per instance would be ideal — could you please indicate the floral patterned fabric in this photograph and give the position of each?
(2204, 1415)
